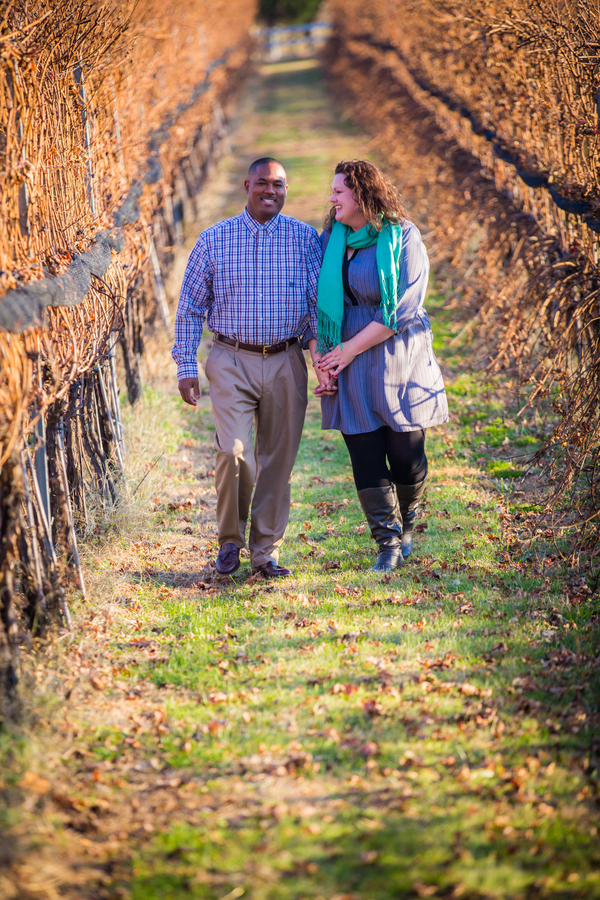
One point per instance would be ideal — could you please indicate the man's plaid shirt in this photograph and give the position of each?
(254, 283)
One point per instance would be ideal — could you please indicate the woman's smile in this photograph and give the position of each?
(346, 208)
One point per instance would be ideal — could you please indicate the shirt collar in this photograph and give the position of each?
(254, 227)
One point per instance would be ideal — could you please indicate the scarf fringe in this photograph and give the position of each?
(329, 333)
(389, 301)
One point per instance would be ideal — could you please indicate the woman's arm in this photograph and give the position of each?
(337, 359)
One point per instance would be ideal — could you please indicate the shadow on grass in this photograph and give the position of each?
(449, 853)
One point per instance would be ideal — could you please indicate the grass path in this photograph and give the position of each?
(340, 736)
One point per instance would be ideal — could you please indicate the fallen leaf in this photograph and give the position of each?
(372, 707)
(369, 749)
(469, 690)
(339, 688)
(216, 726)
(33, 782)
(217, 697)
(424, 890)
(253, 579)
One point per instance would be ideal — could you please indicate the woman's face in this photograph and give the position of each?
(346, 210)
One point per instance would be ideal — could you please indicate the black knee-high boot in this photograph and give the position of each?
(409, 496)
(381, 509)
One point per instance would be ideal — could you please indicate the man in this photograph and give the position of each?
(254, 278)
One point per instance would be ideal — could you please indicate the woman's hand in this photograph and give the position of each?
(337, 359)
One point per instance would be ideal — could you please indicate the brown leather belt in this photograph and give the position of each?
(267, 350)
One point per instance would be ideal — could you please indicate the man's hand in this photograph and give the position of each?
(326, 386)
(327, 383)
(189, 388)
(323, 390)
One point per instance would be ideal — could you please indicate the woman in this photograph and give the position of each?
(379, 381)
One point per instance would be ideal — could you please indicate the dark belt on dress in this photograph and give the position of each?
(266, 350)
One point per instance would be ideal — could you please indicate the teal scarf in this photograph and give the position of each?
(330, 300)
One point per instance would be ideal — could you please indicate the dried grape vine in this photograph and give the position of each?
(110, 115)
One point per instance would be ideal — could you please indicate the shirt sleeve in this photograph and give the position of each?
(195, 301)
(412, 280)
(314, 257)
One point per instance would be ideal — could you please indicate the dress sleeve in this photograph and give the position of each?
(195, 300)
(412, 281)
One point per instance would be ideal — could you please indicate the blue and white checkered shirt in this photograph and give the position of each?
(254, 283)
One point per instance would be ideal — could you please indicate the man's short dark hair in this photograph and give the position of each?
(261, 162)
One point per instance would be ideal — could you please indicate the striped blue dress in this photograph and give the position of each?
(398, 382)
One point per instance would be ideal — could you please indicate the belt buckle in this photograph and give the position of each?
(265, 349)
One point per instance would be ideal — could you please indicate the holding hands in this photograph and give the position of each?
(329, 366)
(327, 385)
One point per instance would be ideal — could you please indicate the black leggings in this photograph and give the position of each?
(381, 456)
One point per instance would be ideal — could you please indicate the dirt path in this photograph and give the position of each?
(339, 736)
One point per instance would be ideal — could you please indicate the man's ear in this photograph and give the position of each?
(247, 186)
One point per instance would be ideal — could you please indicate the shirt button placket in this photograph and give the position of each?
(260, 278)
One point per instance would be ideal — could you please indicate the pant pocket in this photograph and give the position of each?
(215, 355)
(299, 371)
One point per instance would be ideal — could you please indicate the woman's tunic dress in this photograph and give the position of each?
(397, 382)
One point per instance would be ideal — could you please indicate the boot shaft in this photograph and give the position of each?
(380, 507)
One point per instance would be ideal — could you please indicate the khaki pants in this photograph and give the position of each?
(270, 393)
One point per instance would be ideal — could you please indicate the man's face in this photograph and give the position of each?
(267, 190)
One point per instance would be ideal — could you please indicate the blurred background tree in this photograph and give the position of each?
(287, 12)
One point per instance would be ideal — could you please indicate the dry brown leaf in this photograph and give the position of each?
(34, 783)
(372, 707)
(369, 749)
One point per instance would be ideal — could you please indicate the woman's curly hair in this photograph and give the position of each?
(375, 197)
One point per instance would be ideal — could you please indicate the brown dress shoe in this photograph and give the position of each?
(270, 570)
(228, 559)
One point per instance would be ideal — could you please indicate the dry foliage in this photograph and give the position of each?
(109, 116)
(501, 102)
